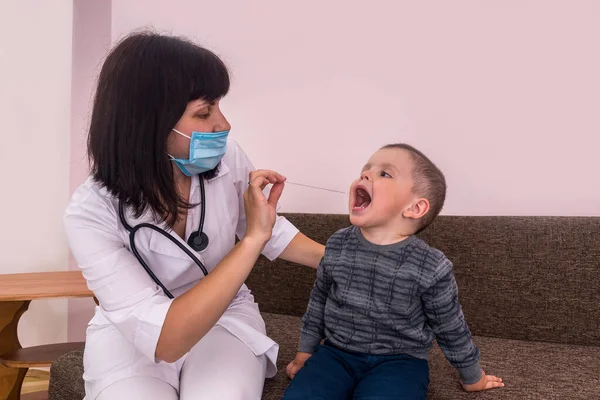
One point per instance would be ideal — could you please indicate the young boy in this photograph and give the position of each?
(382, 295)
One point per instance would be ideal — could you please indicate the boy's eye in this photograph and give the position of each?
(385, 174)
(203, 116)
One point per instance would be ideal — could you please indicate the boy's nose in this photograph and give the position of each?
(366, 175)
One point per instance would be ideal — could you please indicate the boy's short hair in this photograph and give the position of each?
(428, 182)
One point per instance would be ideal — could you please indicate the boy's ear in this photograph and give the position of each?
(418, 209)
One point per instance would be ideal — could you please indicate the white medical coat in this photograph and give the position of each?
(122, 336)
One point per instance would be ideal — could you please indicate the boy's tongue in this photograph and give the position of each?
(362, 199)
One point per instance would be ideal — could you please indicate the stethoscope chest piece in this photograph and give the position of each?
(198, 241)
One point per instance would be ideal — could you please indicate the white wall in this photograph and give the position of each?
(503, 95)
(35, 88)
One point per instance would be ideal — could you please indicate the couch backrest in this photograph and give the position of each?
(525, 278)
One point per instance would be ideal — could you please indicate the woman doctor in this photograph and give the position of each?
(160, 157)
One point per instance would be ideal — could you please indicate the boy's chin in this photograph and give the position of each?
(368, 218)
(359, 220)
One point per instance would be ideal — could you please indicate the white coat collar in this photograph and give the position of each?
(155, 241)
(160, 244)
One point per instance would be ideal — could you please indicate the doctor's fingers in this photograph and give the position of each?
(255, 194)
(275, 194)
(271, 176)
(258, 183)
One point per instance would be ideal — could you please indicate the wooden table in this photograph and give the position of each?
(16, 292)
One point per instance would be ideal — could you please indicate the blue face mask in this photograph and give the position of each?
(206, 152)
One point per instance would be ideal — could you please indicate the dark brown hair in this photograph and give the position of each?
(428, 182)
(143, 89)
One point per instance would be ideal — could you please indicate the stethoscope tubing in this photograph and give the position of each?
(132, 231)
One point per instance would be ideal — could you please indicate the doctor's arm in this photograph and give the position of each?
(286, 243)
(158, 327)
(303, 250)
(195, 312)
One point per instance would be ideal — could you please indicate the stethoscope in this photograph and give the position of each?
(198, 240)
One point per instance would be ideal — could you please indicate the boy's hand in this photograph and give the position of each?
(486, 382)
(298, 362)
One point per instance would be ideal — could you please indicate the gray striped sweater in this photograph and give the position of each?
(393, 299)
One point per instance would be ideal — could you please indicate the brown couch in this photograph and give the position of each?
(530, 290)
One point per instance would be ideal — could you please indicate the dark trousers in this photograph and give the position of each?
(334, 374)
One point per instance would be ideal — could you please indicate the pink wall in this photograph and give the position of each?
(91, 40)
(504, 95)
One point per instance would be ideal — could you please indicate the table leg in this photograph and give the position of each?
(11, 379)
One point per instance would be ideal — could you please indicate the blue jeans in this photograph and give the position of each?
(334, 374)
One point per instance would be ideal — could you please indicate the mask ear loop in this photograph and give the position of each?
(182, 134)
(179, 133)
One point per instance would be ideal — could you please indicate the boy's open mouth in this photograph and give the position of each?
(362, 199)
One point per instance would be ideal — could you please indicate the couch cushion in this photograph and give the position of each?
(66, 382)
(525, 278)
(530, 370)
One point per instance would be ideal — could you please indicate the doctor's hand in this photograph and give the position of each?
(297, 364)
(260, 211)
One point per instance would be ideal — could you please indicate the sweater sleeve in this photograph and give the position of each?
(446, 319)
(313, 320)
